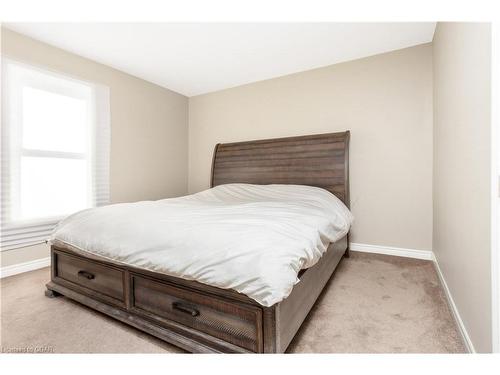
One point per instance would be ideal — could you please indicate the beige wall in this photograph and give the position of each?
(386, 102)
(149, 127)
(462, 125)
(401, 194)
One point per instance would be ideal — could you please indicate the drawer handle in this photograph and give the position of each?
(86, 274)
(185, 309)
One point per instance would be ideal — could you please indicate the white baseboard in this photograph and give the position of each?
(395, 251)
(24, 267)
(451, 303)
(426, 255)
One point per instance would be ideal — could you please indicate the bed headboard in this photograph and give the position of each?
(320, 160)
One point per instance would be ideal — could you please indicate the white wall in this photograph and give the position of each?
(462, 136)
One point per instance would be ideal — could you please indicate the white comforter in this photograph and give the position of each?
(250, 238)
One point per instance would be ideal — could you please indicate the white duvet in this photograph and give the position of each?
(250, 238)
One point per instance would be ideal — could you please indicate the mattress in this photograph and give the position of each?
(250, 238)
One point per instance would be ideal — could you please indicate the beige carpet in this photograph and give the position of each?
(373, 304)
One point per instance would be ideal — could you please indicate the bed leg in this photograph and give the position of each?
(52, 293)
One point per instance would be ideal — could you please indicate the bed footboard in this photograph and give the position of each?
(193, 316)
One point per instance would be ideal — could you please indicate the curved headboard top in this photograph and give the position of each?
(320, 160)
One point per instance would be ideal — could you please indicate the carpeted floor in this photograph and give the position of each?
(372, 304)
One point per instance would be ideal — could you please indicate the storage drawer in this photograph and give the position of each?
(102, 279)
(232, 322)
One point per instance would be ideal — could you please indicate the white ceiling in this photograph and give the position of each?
(196, 58)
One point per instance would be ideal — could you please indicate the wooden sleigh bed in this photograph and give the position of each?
(201, 318)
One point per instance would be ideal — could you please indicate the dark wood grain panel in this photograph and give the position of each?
(316, 148)
(306, 163)
(285, 172)
(105, 280)
(59, 247)
(319, 160)
(305, 154)
(174, 333)
(228, 320)
(304, 139)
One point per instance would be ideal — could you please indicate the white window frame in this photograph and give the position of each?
(20, 233)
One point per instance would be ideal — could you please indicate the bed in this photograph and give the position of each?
(194, 315)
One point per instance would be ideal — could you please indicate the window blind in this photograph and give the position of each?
(55, 140)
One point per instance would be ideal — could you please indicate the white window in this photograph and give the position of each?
(55, 151)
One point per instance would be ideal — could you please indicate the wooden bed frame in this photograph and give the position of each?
(198, 317)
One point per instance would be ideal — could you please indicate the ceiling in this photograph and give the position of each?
(196, 58)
